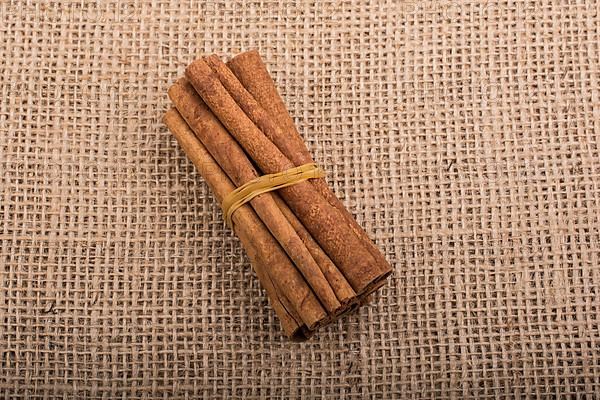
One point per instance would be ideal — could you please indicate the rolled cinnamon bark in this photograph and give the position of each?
(232, 159)
(338, 282)
(252, 73)
(290, 321)
(292, 298)
(326, 223)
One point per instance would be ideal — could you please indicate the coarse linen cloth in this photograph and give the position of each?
(462, 135)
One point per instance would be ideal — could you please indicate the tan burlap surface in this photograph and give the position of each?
(463, 136)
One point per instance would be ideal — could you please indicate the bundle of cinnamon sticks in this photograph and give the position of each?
(312, 258)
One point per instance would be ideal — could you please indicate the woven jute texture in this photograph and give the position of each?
(463, 136)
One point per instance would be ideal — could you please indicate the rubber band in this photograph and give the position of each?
(267, 183)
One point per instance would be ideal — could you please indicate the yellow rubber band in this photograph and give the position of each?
(267, 183)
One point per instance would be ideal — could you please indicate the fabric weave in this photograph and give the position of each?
(462, 135)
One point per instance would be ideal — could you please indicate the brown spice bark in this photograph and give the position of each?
(232, 159)
(252, 73)
(338, 282)
(326, 223)
(277, 274)
(258, 115)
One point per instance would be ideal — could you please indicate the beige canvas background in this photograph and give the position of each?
(462, 135)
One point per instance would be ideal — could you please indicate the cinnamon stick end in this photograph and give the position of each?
(199, 70)
(239, 58)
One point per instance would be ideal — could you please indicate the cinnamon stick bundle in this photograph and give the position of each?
(313, 259)
(236, 164)
(325, 222)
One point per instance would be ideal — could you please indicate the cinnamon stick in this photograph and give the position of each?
(292, 298)
(275, 121)
(326, 223)
(289, 319)
(236, 164)
(338, 282)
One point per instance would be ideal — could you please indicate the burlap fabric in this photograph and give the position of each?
(463, 136)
